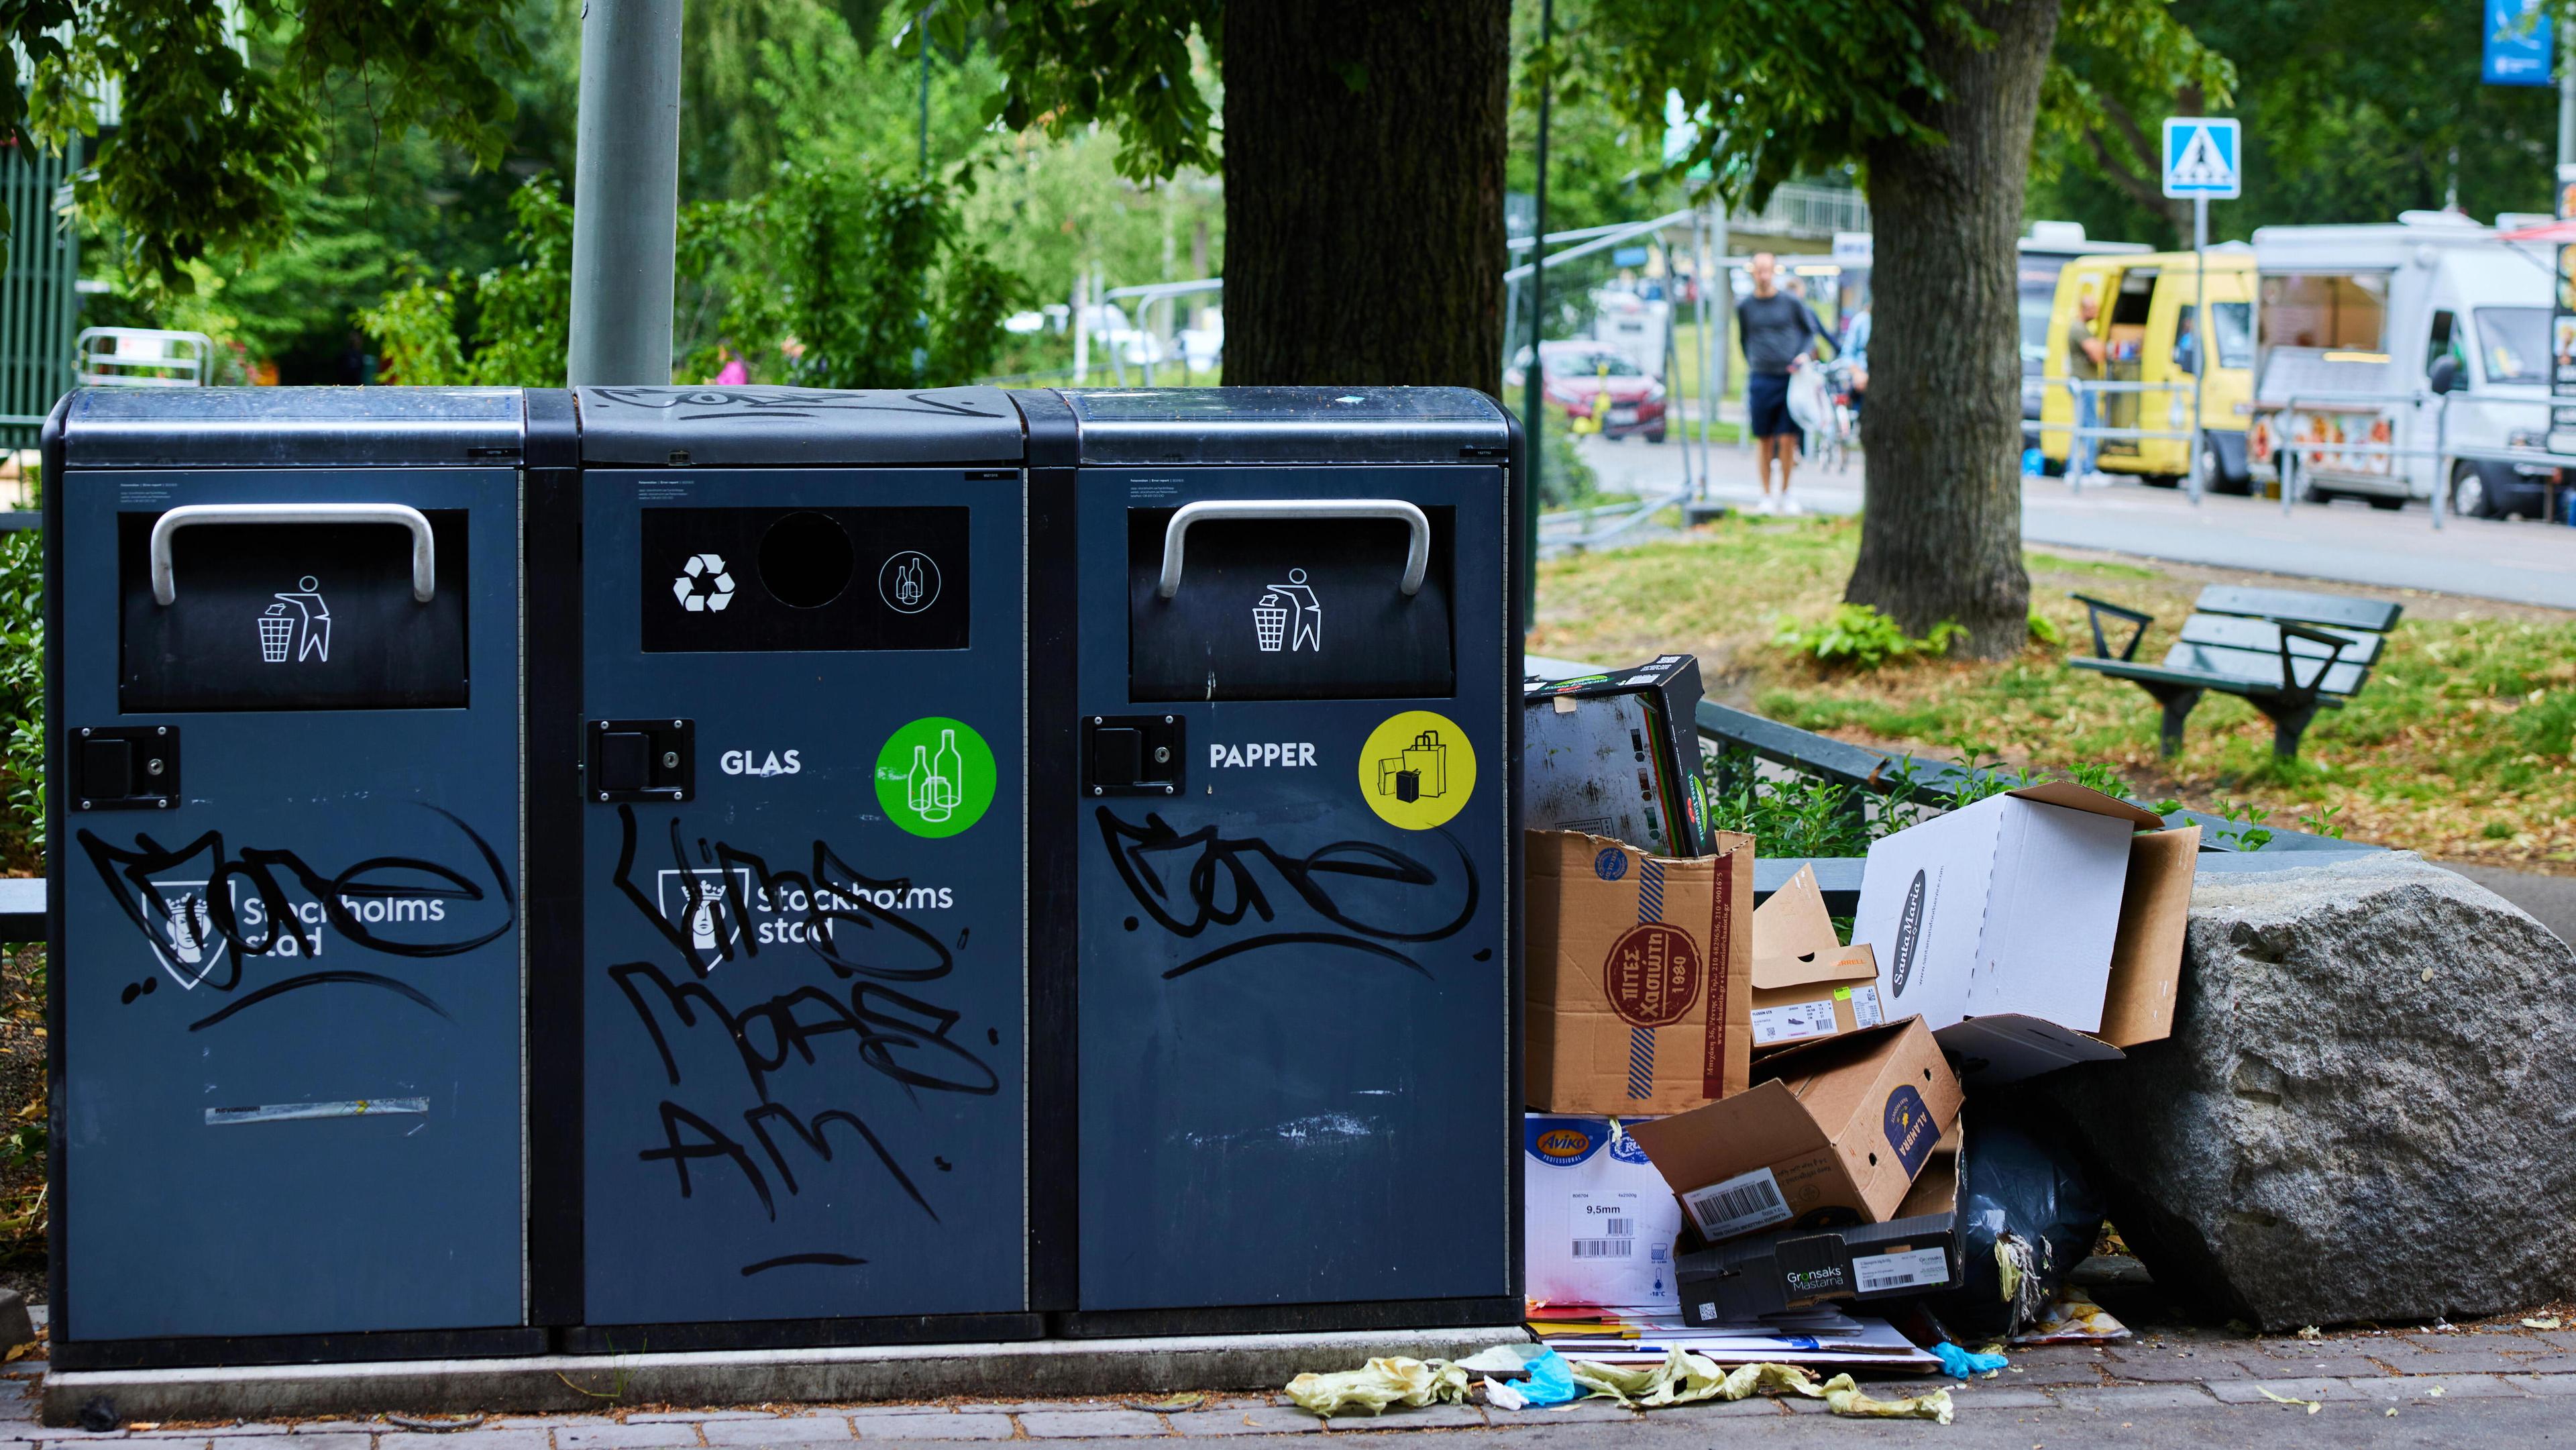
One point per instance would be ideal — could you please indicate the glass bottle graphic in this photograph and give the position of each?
(941, 786)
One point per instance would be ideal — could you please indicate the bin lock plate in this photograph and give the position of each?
(124, 767)
(1132, 755)
(641, 760)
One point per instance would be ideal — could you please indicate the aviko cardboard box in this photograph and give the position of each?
(1639, 975)
(1832, 1133)
(1599, 1223)
(1806, 984)
(2032, 929)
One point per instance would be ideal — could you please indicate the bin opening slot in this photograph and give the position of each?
(293, 615)
(741, 580)
(1290, 609)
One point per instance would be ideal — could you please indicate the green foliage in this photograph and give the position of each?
(2547, 725)
(522, 311)
(1789, 814)
(874, 281)
(1564, 479)
(1800, 815)
(223, 109)
(824, 280)
(1784, 88)
(1128, 65)
(523, 320)
(22, 697)
(2354, 110)
(1858, 636)
(415, 328)
(2043, 630)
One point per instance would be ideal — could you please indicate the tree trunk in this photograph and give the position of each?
(1942, 537)
(1364, 144)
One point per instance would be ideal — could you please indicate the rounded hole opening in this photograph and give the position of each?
(806, 560)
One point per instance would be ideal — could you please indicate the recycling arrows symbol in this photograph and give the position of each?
(706, 570)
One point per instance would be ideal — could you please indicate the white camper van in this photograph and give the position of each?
(2350, 322)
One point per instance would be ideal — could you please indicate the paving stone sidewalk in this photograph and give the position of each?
(2161, 1370)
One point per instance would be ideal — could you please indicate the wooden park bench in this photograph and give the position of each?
(2289, 654)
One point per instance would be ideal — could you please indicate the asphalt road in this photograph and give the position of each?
(2522, 563)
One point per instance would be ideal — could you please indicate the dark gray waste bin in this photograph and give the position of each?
(283, 684)
(802, 980)
(1285, 851)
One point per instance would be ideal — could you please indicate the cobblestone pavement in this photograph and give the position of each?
(2495, 1384)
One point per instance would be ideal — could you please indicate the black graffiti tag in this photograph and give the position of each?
(879, 960)
(1218, 885)
(273, 878)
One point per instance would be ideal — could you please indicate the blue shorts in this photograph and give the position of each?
(1766, 404)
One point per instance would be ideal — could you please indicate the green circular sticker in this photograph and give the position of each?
(935, 776)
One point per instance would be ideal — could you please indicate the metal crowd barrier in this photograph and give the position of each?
(2290, 454)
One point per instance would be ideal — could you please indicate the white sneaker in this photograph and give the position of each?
(1769, 505)
(1789, 505)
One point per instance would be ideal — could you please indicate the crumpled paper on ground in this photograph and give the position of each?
(1378, 1384)
(2072, 1318)
(1684, 1378)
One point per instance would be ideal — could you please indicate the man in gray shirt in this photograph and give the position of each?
(1776, 332)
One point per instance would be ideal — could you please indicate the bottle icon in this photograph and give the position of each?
(907, 583)
(938, 779)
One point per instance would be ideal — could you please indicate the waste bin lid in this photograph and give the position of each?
(1286, 425)
(290, 427)
(651, 427)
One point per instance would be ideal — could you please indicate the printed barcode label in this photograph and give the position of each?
(1792, 1022)
(1881, 1272)
(1739, 1205)
(1619, 1228)
(1865, 1011)
(1605, 1248)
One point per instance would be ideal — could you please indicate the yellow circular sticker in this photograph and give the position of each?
(1417, 770)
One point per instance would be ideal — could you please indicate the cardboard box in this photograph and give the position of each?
(1831, 1133)
(1600, 1224)
(1919, 1251)
(1617, 755)
(1806, 984)
(2032, 929)
(1639, 975)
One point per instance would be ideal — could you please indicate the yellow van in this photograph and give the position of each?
(2144, 302)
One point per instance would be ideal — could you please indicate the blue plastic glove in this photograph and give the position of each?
(1961, 1364)
(1551, 1381)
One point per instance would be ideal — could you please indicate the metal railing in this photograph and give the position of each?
(1878, 774)
(2080, 388)
(1799, 209)
(2292, 454)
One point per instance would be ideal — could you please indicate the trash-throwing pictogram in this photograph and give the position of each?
(1283, 605)
(297, 627)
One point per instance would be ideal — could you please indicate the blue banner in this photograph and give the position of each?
(2520, 43)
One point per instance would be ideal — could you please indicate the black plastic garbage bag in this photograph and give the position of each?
(2028, 1217)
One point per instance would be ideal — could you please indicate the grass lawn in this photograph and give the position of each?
(2459, 746)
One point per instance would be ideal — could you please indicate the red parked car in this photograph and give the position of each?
(1579, 373)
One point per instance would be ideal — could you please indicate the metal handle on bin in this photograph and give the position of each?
(1417, 555)
(424, 551)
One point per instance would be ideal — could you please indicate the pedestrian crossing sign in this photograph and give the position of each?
(2202, 157)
